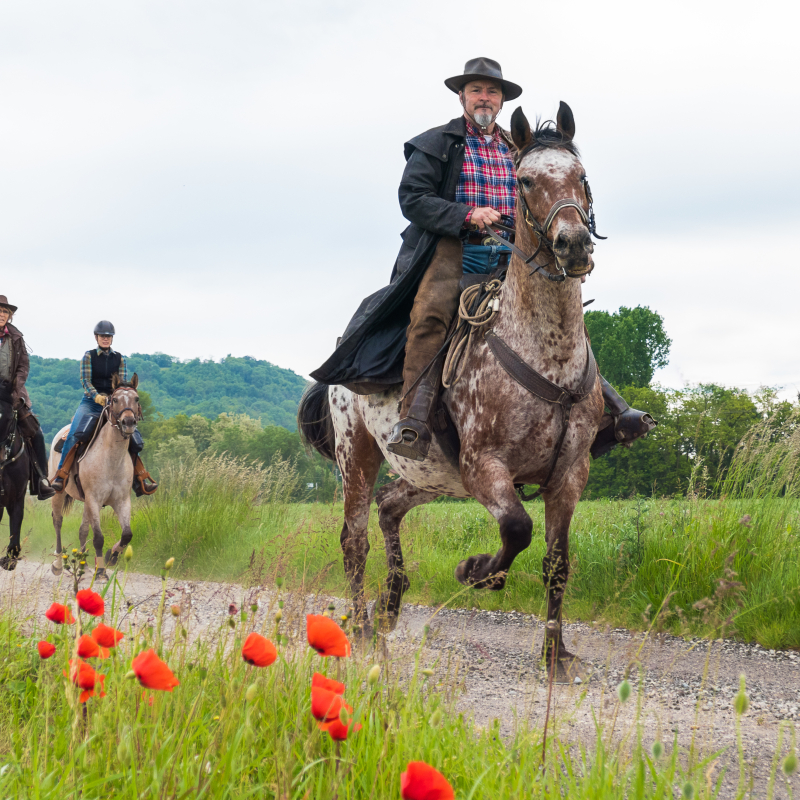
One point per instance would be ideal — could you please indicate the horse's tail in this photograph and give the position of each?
(68, 502)
(314, 420)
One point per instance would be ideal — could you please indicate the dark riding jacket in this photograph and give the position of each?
(20, 367)
(369, 356)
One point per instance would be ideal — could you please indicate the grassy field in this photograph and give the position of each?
(689, 566)
(233, 730)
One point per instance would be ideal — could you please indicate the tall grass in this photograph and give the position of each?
(203, 502)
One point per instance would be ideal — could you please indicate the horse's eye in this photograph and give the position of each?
(526, 183)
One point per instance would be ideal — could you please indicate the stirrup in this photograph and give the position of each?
(631, 424)
(141, 488)
(46, 490)
(58, 484)
(410, 438)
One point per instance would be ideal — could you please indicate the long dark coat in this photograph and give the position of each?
(20, 366)
(369, 356)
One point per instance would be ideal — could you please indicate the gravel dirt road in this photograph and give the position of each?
(686, 687)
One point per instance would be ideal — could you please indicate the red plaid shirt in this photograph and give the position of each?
(488, 177)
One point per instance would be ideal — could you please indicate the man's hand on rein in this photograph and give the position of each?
(101, 399)
(485, 215)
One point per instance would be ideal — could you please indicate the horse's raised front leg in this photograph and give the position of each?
(490, 483)
(394, 501)
(122, 509)
(359, 459)
(559, 506)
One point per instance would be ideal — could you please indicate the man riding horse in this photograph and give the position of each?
(98, 367)
(14, 369)
(459, 179)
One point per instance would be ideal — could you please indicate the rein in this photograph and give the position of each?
(8, 447)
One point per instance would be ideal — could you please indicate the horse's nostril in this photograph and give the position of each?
(561, 242)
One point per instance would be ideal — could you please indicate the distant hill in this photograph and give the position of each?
(236, 385)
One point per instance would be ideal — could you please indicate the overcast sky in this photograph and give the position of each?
(221, 177)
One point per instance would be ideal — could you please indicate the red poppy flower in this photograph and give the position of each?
(106, 636)
(88, 648)
(258, 651)
(421, 781)
(153, 673)
(326, 705)
(327, 683)
(326, 637)
(60, 614)
(90, 602)
(337, 730)
(45, 649)
(84, 677)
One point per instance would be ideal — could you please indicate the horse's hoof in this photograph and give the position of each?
(469, 572)
(567, 669)
(57, 567)
(100, 574)
(8, 563)
(111, 558)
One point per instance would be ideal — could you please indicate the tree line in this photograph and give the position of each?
(247, 408)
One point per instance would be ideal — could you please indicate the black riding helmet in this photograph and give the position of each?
(104, 328)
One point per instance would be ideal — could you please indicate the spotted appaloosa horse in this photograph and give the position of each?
(508, 435)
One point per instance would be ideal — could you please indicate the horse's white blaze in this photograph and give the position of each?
(555, 164)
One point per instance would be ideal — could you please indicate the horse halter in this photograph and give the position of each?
(541, 231)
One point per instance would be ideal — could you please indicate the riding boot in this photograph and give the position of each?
(63, 473)
(143, 483)
(629, 424)
(435, 304)
(46, 491)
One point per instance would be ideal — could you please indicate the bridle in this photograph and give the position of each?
(541, 230)
(114, 419)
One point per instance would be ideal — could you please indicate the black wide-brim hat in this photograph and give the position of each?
(478, 68)
(4, 302)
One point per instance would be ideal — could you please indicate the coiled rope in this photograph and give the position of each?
(477, 308)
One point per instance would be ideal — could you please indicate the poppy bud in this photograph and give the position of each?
(624, 691)
(279, 582)
(169, 564)
(250, 694)
(280, 603)
(331, 607)
(741, 702)
(436, 718)
(130, 674)
(688, 791)
(254, 607)
(427, 672)
(278, 615)
(231, 622)
(789, 765)
(373, 675)
(658, 750)
(176, 610)
(123, 751)
(344, 716)
(128, 553)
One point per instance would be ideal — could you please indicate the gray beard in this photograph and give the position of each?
(484, 118)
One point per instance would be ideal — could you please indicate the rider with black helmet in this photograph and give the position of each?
(98, 367)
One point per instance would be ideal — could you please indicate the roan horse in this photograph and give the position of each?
(509, 435)
(14, 474)
(106, 475)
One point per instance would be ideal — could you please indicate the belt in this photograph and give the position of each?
(477, 237)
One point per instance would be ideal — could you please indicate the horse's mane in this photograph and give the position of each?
(547, 134)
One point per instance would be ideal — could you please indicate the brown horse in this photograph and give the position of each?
(106, 476)
(509, 435)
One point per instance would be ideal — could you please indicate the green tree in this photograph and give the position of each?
(629, 345)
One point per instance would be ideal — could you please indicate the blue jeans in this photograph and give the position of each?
(85, 408)
(481, 259)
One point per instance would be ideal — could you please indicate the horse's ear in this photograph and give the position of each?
(520, 129)
(565, 122)
(135, 381)
(114, 381)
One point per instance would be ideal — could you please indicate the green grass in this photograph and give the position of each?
(208, 740)
(627, 557)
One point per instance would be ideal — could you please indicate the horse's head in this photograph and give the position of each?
(124, 408)
(554, 196)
